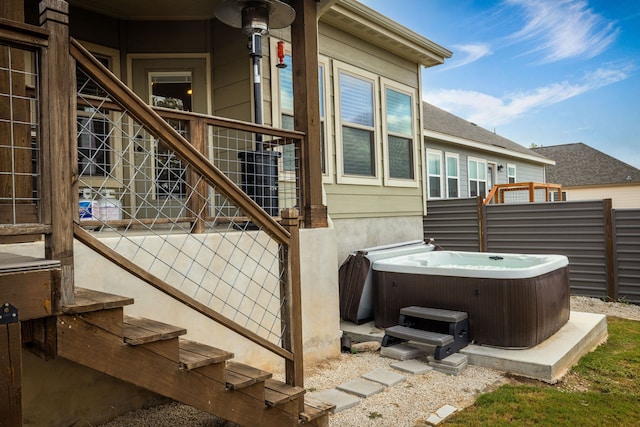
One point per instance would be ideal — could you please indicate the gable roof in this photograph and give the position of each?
(580, 165)
(444, 126)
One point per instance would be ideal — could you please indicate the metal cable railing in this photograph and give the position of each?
(148, 196)
(20, 149)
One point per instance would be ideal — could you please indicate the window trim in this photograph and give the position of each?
(411, 92)
(428, 175)
(447, 156)
(341, 177)
(515, 171)
(484, 162)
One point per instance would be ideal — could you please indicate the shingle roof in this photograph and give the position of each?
(438, 120)
(580, 165)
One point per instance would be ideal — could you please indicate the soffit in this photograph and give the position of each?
(151, 9)
(367, 24)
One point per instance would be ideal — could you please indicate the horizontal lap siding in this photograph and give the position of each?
(627, 248)
(453, 224)
(576, 230)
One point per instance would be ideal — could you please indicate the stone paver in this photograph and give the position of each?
(400, 352)
(361, 388)
(412, 366)
(441, 414)
(384, 377)
(341, 399)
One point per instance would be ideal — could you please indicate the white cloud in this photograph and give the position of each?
(564, 29)
(490, 111)
(470, 52)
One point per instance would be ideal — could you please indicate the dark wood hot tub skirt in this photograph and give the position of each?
(510, 313)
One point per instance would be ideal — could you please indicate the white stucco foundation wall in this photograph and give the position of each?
(320, 305)
(354, 234)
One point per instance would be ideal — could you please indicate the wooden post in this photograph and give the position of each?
(10, 368)
(59, 139)
(292, 309)
(197, 198)
(304, 43)
(610, 264)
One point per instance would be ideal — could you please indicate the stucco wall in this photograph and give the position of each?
(354, 234)
(320, 310)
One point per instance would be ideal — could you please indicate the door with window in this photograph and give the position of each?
(159, 176)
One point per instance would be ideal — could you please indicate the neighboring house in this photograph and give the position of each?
(465, 160)
(588, 174)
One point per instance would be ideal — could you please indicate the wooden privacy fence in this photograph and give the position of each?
(602, 244)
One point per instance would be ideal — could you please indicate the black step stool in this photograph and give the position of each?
(447, 330)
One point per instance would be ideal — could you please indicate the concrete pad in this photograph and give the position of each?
(361, 388)
(340, 399)
(412, 366)
(449, 370)
(400, 352)
(384, 377)
(361, 333)
(550, 360)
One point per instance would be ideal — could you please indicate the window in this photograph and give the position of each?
(358, 157)
(93, 127)
(284, 115)
(477, 178)
(434, 174)
(398, 126)
(170, 90)
(511, 174)
(453, 180)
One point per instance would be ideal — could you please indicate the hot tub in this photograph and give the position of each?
(513, 300)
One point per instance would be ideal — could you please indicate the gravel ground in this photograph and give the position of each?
(403, 405)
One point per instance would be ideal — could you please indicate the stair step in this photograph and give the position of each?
(314, 409)
(139, 331)
(195, 355)
(239, 376)
(11, 263)
(87, 300)
(438, 314)
(426, 337)
(277, 392)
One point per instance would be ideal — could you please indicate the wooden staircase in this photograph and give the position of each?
(95, 332)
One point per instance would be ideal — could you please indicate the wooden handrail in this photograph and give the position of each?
(164, 131)
(25, 34)
(500, 189)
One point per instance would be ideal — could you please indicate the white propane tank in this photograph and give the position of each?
(108, 208)
(86, 205)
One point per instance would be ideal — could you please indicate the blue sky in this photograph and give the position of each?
(543, 72)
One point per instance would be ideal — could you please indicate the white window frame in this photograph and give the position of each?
(341, 177)
(509, 175)
(484, 163)
(429, 174)
(411, 92)
(455, 156)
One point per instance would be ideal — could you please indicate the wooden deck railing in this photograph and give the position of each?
(525, 191)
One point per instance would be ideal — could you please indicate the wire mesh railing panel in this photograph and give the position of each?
(267, 168)
(20, 149)
(152, 207)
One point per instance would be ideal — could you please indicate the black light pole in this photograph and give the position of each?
(255, 17)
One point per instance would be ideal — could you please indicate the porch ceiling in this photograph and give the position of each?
(151, 9)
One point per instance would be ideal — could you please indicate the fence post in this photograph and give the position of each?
(292, 308)
(482, 234)
(612, 288)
